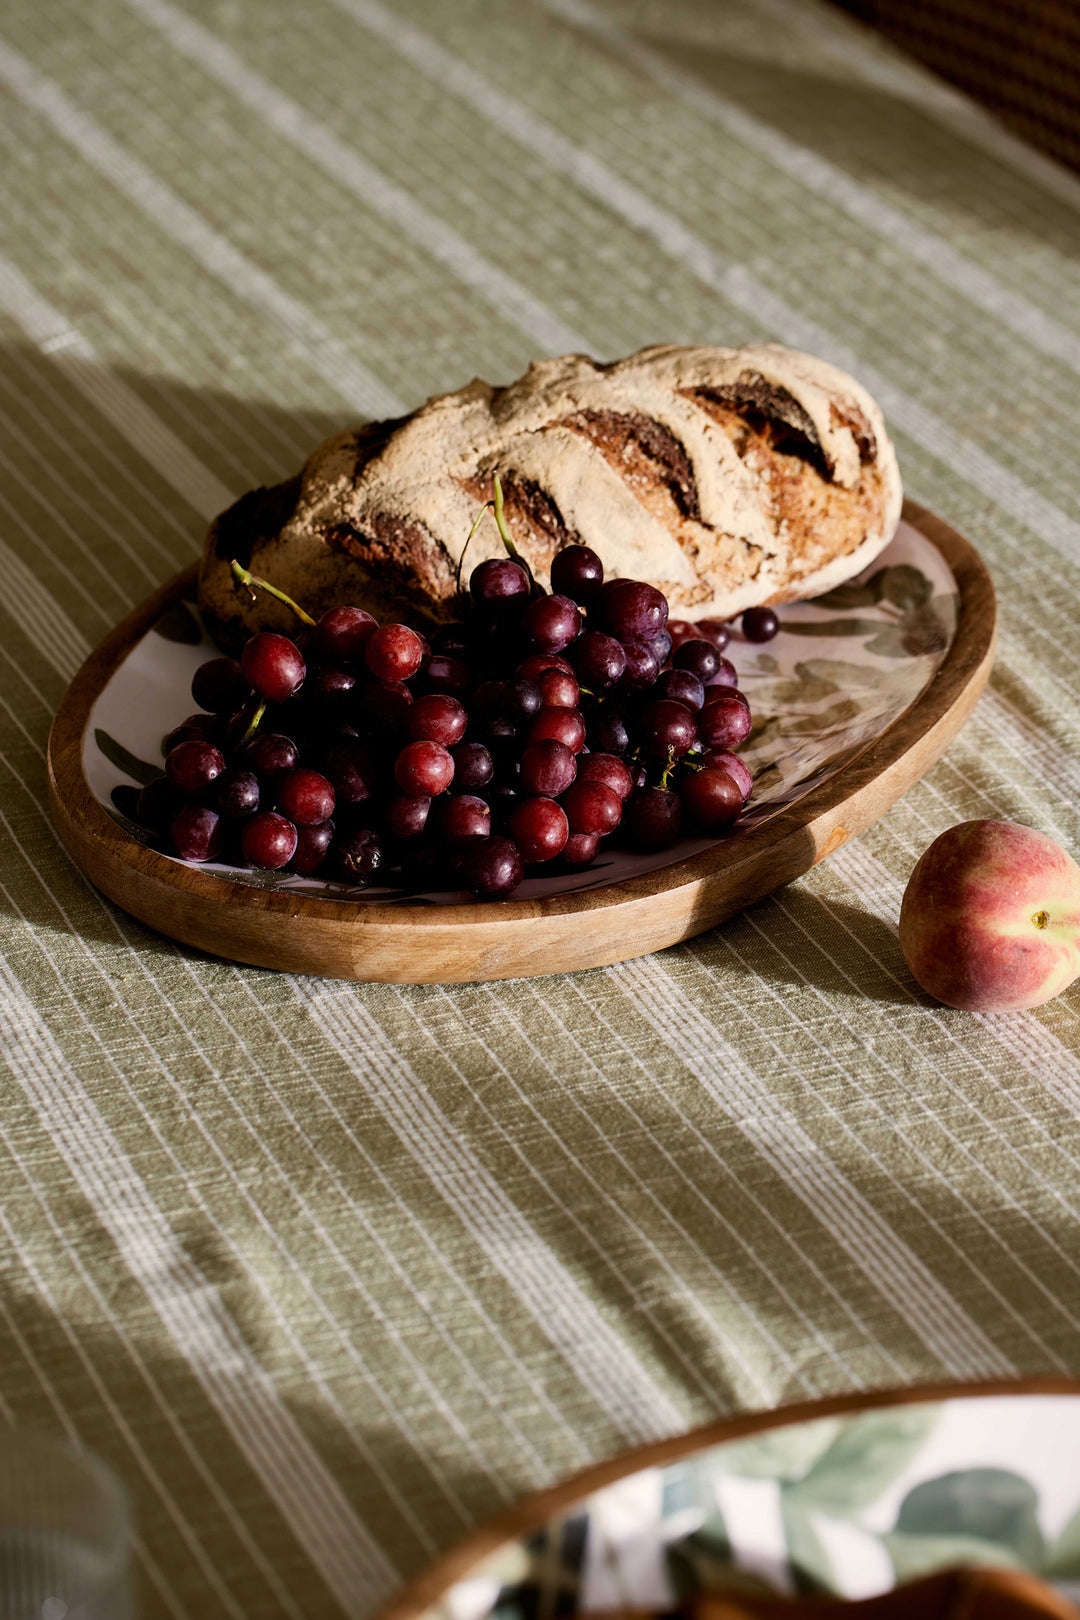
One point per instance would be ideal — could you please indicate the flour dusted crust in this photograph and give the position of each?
(726, 477)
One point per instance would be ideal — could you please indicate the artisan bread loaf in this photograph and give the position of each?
(725, 477)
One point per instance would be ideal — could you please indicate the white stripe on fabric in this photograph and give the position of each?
(291, 1471)
(738, 1355)
(732, 281)
(850, 1219)
(371, 186)
(306, 333)
(116, 1413)
(25, 599)
(75, 356)
(839, 188)
(591, 1348)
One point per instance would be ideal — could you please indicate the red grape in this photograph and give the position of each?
(681, 630)
(726, 674)
(681, 687)
(354, 771)
(563, 725)
(305, 796)
(406, 817)
(436, 718)
(197, 833)
(342, 633)
(558, 690)
(701, 658)
(725, 724)
(158, 804)
(330, 685)
(386, 703)
(461, 819)
(219, 686)
(667, 728)
(737, 769)
(599, 660)
(654, 818)
(520, 699)
(551, 623)
(712, 800)
(760, 624)
(608, 733)
(606, 768)
(592, 807)
(547, 768)
(499, 584)
(715, 630)
(577, 572)
(424, 769)
(236, 794)
(642, 667)
(440, 673)
(192, 766)
(269, 754)
(580, 849)
(312, 848)
(539, 828)
(196, 728)
(357, 856)
(532, 667)
(273, 666)
(633, 611)
(473, 766)
(394, 652)
(492, 868)
(268, 841)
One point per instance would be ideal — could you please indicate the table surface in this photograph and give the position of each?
(331, 1273)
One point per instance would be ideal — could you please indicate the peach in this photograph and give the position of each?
(991, 917)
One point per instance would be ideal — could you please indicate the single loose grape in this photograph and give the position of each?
(760, 624)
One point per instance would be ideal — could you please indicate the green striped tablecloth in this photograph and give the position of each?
(330, 1273)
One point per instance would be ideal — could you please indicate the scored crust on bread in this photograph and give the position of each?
(725, 477)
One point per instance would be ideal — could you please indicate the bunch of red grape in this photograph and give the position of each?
(526, 734)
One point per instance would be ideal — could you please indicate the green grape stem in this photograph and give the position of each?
(477, 520)
(253, 583)
(253, 725)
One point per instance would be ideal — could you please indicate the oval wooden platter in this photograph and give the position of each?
(404, 944)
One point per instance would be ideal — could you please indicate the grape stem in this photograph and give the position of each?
(253, 724)
(668, 768)
(477, 520)
(252, 582)
(500, 522)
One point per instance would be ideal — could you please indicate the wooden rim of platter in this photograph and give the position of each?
(529, 1513)
(303, 933)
